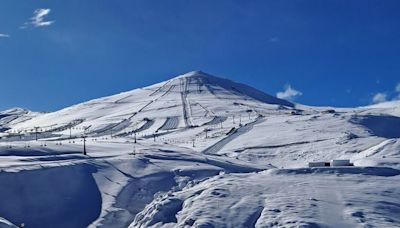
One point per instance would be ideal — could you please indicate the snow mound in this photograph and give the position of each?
(278, 199)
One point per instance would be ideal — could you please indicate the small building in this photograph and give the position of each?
(318, 164)
(332, 163)
(344, 162)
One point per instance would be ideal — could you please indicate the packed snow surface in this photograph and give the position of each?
(199, 151)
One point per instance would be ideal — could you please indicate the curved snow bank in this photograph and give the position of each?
(6, 224)
(64, 196)
(128, 185)
(280, 199)
(384, 154)
(134, 196)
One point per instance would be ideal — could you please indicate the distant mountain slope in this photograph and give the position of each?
(13, 116)
(191, 99)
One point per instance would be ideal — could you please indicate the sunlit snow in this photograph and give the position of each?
(199, 151)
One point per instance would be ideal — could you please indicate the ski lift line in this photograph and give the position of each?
(121, 99)
(152, 94)
(48, 128)
(149, 103)
(187, 99)
(168, 91)
(132, 115)
(132, 129)
(162, 108)
(161, 87)
(205, 109)
(152, 101)
(186, 111)
(200, 84)
(123, 121)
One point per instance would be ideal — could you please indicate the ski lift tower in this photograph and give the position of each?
(206, 131)
(36, 133)
(84, 136)
(84, 144)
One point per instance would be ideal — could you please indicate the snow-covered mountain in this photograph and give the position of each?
(192, 99)
(10, 117)
(199, 151)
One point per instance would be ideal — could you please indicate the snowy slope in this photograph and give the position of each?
(10, 117)
(16, 115)
(199, 151)
(192, 99)
(282, 198)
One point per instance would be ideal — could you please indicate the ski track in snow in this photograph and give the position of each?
(185, 102)
(332, 209)
(170, 123)
(237, 132)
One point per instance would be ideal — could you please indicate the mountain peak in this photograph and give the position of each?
(195, 73)
(226, 86)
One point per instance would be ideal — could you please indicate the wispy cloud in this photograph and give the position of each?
(379, 98)
(289, 93)
(2, 35)
(387, 96)
(38, 19)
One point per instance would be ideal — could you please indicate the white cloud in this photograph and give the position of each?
(289, 93)
(38, 19)
(379, 98)
(387, 96)
(2, 35)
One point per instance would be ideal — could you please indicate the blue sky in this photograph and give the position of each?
(331, 52)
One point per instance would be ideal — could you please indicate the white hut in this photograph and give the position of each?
(344, 162)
